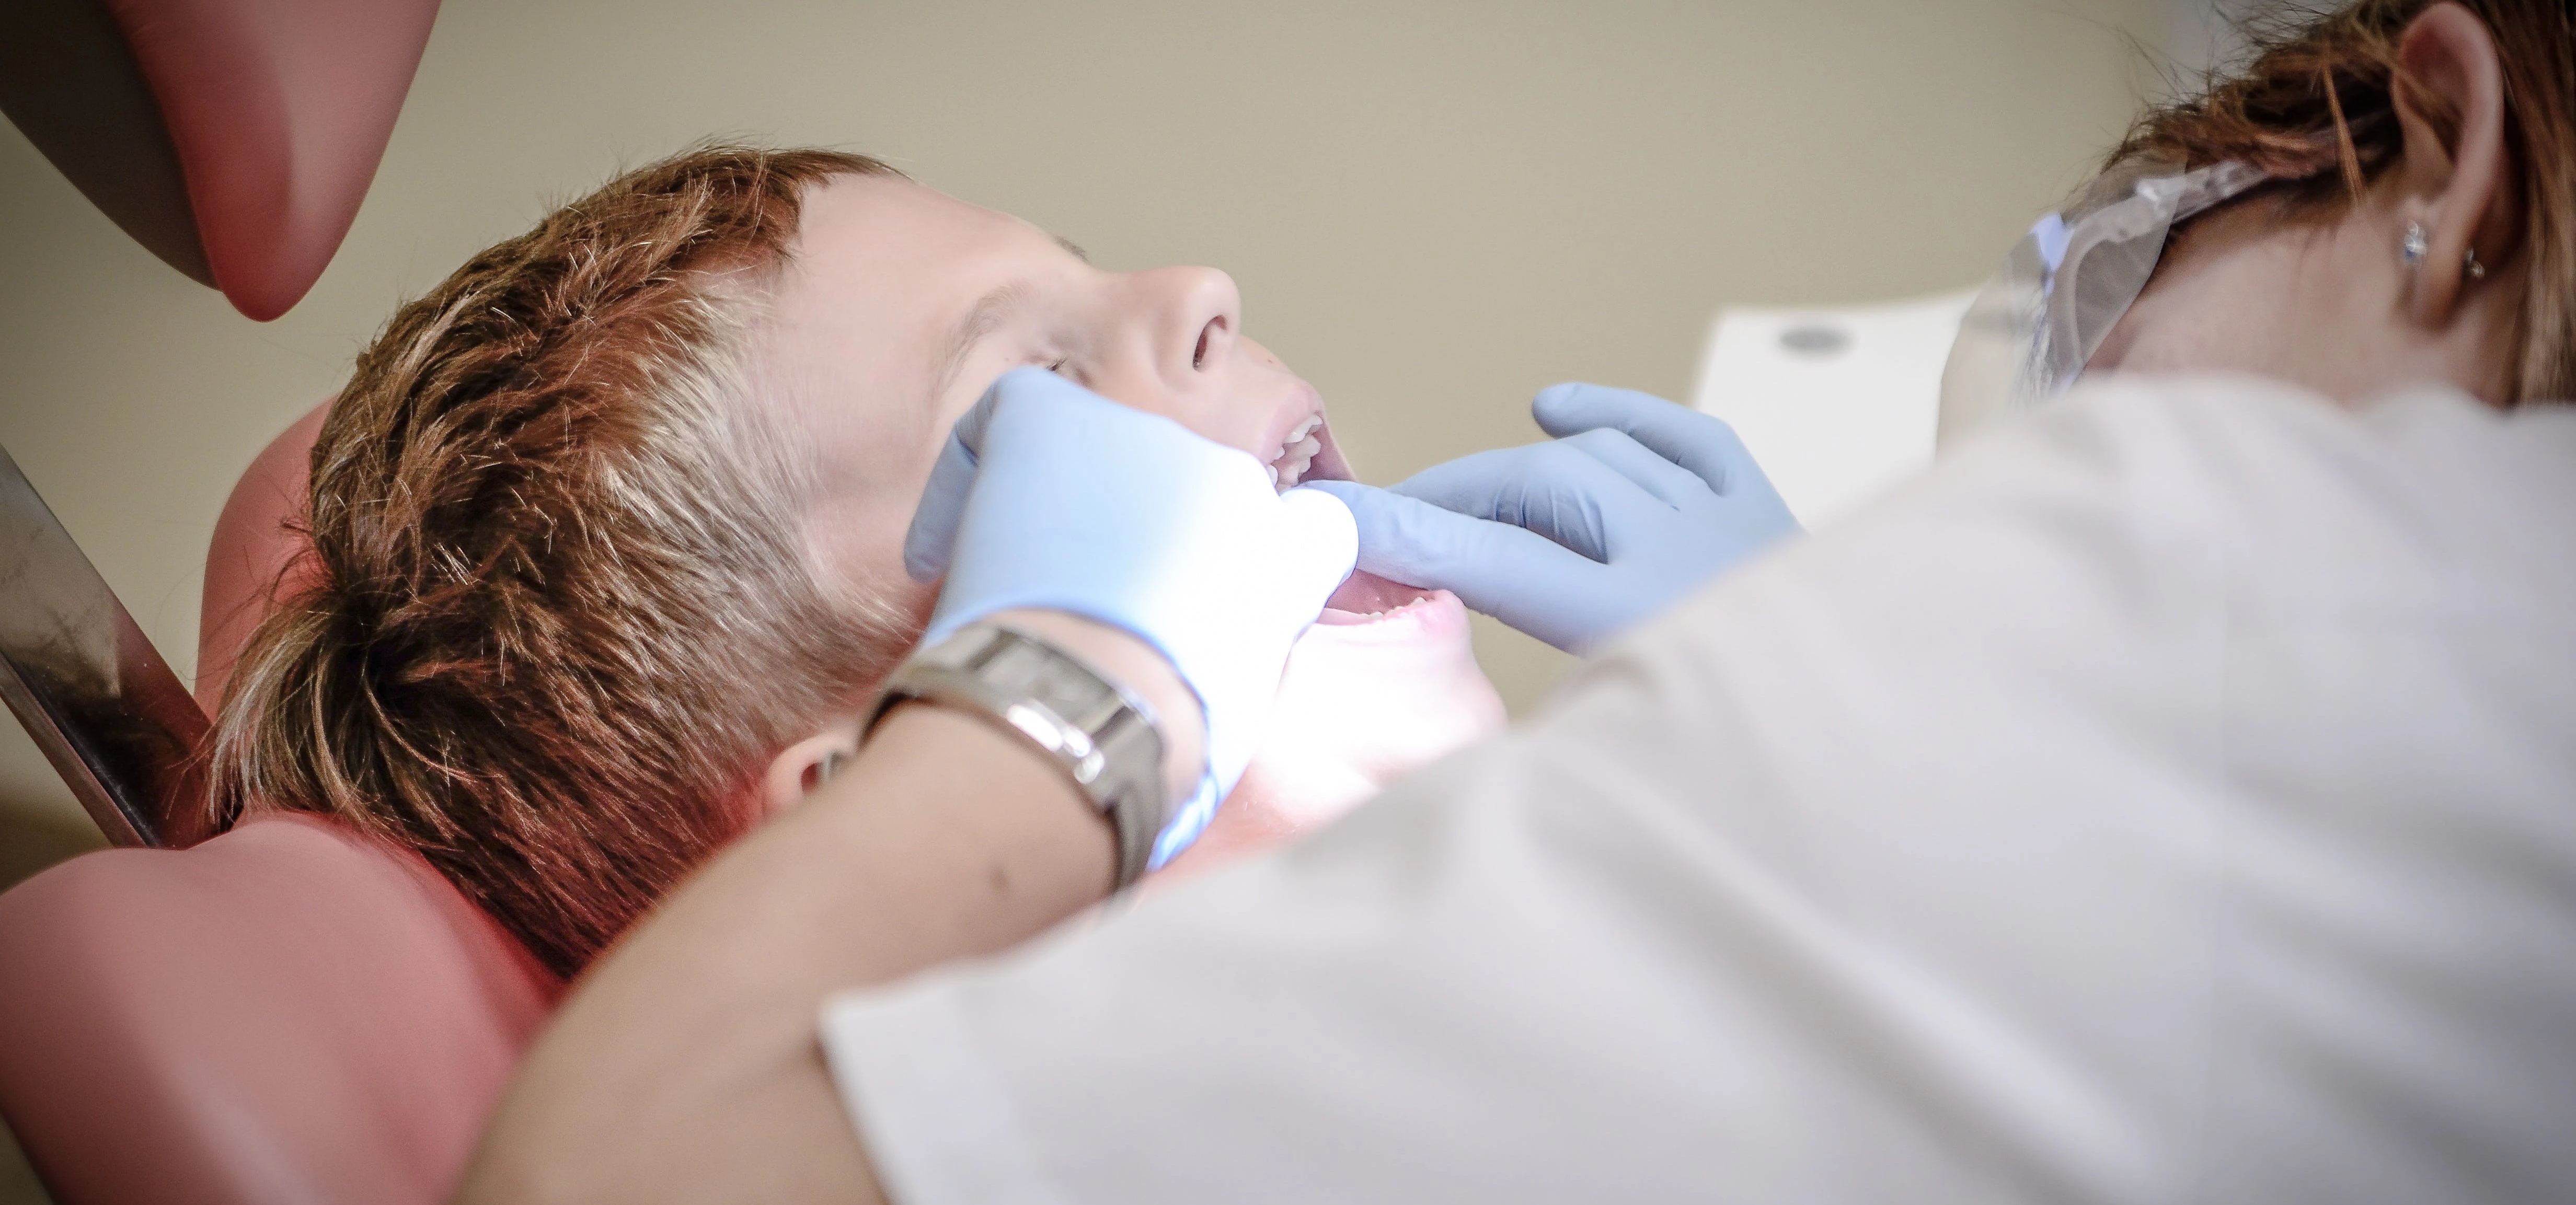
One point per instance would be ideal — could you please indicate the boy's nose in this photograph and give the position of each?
(1196, 316)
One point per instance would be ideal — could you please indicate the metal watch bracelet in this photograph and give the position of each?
(1104, 737)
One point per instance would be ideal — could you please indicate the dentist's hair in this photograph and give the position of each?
(2315, 107)
(558, 610)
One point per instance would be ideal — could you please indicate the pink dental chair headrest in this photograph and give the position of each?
(288, 1012)
(252, 561)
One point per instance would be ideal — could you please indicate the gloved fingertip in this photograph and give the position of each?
(1558, 392)
(1571, 407)
(1553, 400)
(920, 564)
(926, 544)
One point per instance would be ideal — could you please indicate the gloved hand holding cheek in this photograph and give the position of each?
(1049, 496)
(1636, 502)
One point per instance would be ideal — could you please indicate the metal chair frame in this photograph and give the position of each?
(108, 712)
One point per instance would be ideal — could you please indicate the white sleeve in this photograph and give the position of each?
(1894, 868)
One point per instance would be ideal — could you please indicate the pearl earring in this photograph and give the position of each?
(2477, 271)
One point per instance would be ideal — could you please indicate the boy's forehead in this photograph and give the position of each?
(883, 267)
(877, 261)
(888, 223)
(882, 272)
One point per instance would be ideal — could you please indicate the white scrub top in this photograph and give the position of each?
(2170, 798)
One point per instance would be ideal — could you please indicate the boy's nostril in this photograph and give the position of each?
(1198, 355)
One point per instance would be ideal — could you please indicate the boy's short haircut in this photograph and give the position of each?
(558, 609)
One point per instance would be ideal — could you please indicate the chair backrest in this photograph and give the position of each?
(287, 1012)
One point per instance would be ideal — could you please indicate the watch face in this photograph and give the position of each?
(1069, 692)
(1023, 668)
(1106, 744)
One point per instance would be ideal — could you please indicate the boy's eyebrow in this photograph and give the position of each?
(983, 319)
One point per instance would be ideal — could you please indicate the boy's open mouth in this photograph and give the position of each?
(1307, 453)
(1368, 598)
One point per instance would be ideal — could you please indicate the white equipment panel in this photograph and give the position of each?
(1836, 404)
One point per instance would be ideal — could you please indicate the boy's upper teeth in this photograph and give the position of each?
(1302, 434)
(1296, 453)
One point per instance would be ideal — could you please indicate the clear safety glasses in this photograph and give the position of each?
(2031, 330)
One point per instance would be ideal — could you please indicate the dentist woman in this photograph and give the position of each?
(2172, 797)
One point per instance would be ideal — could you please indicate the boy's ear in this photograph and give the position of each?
(799, 768)
(2459, 177)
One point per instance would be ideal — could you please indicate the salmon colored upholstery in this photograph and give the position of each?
(286, 1013)
(289, 1012)
(250, 560)
(234, 138)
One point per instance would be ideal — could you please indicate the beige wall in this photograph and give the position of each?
(1433, 208)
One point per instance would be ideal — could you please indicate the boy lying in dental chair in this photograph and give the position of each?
(605, 532)
(596, 563)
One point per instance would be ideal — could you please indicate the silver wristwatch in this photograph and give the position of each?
(1104, 737)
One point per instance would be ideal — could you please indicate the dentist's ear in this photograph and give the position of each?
(2459, 175)
(800, 768)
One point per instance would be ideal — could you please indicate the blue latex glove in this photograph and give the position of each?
(1635, 502)
(1048, 495)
